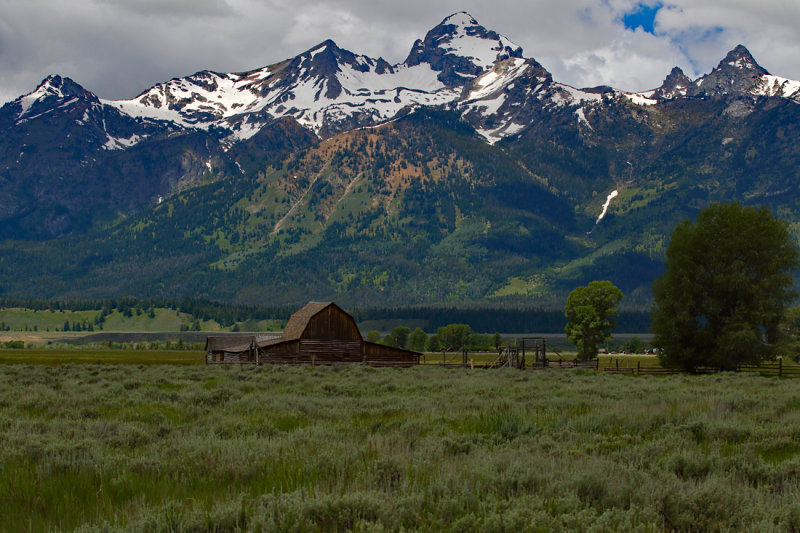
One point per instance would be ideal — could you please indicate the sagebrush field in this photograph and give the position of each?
(195, 448)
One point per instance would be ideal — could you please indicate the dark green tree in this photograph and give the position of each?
(433, 344)
(417, 340)
(591, 311)
(454, 336)
(399, 336)
(728, 280)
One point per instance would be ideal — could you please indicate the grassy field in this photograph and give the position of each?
(126, 357)
(191, 448)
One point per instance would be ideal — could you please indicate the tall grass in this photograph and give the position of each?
(169, 448)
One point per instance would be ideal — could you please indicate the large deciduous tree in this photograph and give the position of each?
(591, 311)
(728, 279)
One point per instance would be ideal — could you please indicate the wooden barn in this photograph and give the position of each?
(320, 333)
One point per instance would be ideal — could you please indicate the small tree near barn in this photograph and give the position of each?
(454, 336)
(728, 280)
(432, 344)
(417, 340)
(591, 311)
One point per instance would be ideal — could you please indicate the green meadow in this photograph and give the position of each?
(55, 356)
(89, 447)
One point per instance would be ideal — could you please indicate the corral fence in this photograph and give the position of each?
(617, 366)
(500, 362)
(765, 369)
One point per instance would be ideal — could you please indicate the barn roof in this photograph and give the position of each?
(237, 343)
(299, 321)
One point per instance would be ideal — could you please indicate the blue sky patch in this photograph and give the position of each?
(643, 16)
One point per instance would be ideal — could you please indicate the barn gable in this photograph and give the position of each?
(321, 321)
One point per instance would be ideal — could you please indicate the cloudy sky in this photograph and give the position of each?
(118, 48)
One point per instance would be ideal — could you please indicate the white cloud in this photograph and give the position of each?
(118, 48)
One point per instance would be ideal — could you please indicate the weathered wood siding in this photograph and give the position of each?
(331, 350)
(216, 358)
(282, 353)
(379, 355)
(332, 324)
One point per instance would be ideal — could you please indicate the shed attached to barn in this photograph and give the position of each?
(235, 348)
(320, 333)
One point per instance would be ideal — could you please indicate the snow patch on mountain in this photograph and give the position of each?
(582, 118)
(43, 91)
(120, 143)
(52, 89)
(644, 98)
(610, 197)
(420, 78)
(497, 79)
(770, 85)
(565, 95)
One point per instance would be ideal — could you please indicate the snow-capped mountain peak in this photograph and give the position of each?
(52, 90)
(675, 85)
(461, 20)
(741, 58)
(460, 49)
(327, 89)
(465, 37)
(738, 73)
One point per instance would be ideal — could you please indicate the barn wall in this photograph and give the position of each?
(283, 353)
(217, 358)
(378, 355)
(332, 324)
(330, 351)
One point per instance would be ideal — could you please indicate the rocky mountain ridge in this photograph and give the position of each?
(465, 172)
(458, 64)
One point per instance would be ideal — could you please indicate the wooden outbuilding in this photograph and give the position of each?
(320, 333)
(235, 348)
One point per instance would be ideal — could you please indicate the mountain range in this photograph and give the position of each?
(465, 173)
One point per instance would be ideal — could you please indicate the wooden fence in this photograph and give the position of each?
(765, 369)
(778, 368)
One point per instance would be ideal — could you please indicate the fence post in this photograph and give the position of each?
(780, 366)
(638, 367)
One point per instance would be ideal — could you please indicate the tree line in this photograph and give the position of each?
(452, 337)
(484, 319)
